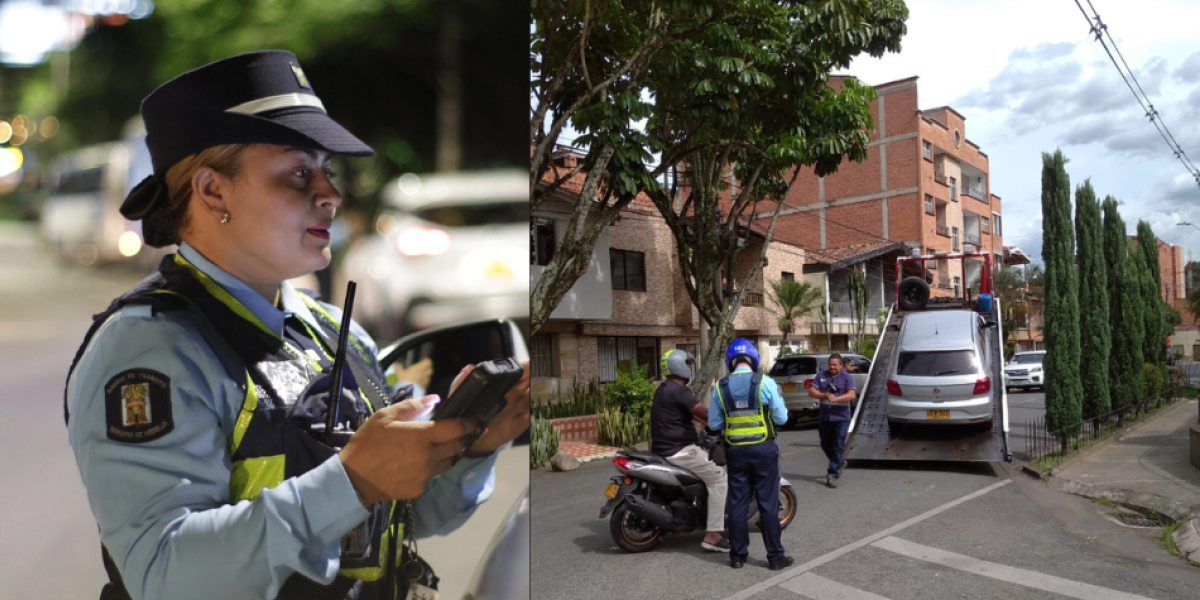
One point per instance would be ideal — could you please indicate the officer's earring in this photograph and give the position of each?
(225, 219)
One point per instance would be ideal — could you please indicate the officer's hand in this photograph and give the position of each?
(392, 457)
(511, 422)
(419, 373)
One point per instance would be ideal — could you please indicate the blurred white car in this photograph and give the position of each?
(450, 247)
(1025, 370)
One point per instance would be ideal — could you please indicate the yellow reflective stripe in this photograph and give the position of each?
(314, 305)
(219, 293)
(248, 477)
(243, 420)
(385, 542)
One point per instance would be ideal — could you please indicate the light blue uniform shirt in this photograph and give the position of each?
(739, 386)
(163, 506)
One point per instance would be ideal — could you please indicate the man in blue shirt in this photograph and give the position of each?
(835, 388)
(747, 405)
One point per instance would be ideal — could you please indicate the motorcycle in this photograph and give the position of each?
(652, 498)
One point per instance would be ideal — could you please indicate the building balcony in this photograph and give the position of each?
(753, 299)
(943, 230)
(940, 177)
(976, 194)
(943, 283)
(971, 239)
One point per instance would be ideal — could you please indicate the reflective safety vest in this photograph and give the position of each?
(749, 422)
(271, 440)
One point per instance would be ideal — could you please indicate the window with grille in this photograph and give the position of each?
(927, 150)
(983, 224)
(928, 204)
(996, 221)
(625, 352)
(628, 270)
(542, 242)
(543, 361)
(789, 276)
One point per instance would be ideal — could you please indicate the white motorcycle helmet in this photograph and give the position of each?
(678, 363)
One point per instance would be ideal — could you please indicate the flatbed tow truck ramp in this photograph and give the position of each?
(870, 437)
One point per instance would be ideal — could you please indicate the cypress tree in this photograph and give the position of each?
(1095, 339)
(1155, 315)
(1136, 314)
(1123, 363)
(1064, 391)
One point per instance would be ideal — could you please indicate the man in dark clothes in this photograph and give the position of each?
(835, 389)
(673, 436)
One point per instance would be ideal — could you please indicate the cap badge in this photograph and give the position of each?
(300, 78)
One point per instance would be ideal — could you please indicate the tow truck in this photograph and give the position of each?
(870, 438)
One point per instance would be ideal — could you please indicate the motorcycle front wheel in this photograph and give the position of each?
(631, 532)
(787, 506)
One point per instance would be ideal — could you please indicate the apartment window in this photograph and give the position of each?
(626, 352)
(996, 221)
(789, 276)
(954, 238)
(928, 204)
(927, 150)
(628, 270)
(542, 242)
(542, 357)
(983, 224)
(953, 189)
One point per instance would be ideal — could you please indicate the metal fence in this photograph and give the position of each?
(1040, 442)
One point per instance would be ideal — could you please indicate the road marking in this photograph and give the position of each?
(816, 587)
(1032, 579)
(812, 564)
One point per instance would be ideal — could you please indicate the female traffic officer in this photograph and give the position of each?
(192, 400)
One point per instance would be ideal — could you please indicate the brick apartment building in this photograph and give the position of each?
(631, 304)
(923, 183)
(1175, 291)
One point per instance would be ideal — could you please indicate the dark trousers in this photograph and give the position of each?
(754, 469)
(833, 443)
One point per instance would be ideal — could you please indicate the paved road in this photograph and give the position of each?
(899, 531)
(51, 548)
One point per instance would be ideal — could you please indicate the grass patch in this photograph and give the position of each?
(1165, 539)
(1106, 503)
(1046, 463)
(1189, 392)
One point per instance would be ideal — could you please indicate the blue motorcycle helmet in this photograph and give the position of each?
(741, 348)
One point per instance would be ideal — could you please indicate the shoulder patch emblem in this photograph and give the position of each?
(138, 406)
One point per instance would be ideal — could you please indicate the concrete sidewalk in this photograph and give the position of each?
(1146, 466)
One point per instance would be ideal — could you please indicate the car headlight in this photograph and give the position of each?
(1035, 370)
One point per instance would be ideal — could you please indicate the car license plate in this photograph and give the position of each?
(937, 414)
(611, 492)
(789, 387)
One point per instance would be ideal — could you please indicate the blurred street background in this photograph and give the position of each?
(433, 227)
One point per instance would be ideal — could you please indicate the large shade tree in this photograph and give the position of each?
(1063, 387)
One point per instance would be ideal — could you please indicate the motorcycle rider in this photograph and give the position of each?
(673, 437)
(745, 404)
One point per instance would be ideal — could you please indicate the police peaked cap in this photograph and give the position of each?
(256, 98)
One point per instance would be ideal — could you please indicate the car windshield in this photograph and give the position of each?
(475, 215)
(802, 365)
(1029, 359)
(936, 364)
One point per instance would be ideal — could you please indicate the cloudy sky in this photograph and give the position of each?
(1029, 78)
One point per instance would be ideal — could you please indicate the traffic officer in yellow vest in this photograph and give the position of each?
(747, 405)
(192, 399)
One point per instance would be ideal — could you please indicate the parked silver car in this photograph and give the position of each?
(940, 372)
(795, 375)
(1025, 370)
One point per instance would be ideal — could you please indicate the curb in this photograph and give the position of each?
(1140, 500)
(1086, 452)
(1187, 539)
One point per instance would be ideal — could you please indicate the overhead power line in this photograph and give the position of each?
(1100, 30)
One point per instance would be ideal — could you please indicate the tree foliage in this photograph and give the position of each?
(1157, 327)
(734, 96)
(1063, 387)
(1125, 350)
(795, 300)
(1095, 337)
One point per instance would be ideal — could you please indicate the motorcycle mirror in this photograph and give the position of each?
(453, 347)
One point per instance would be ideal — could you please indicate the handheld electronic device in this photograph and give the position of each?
(481, 394)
